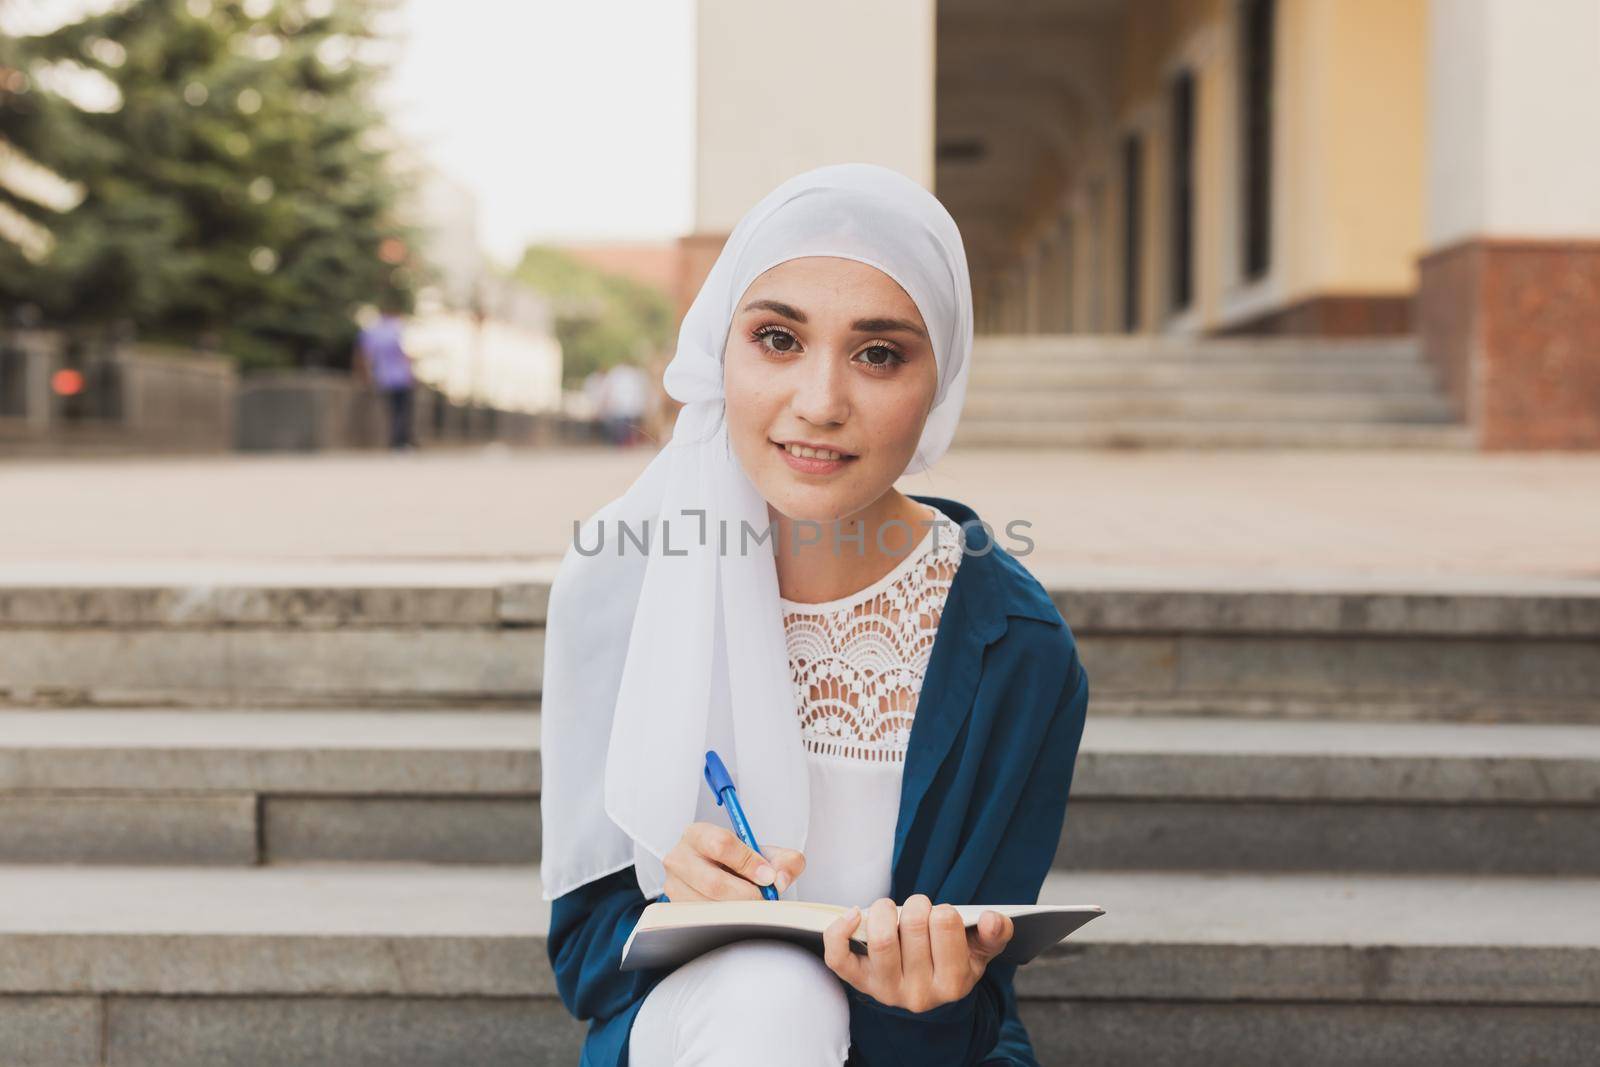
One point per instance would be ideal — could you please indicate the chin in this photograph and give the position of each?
(802, 503)
(816, 503)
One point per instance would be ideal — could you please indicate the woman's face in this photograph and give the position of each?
(832, 353)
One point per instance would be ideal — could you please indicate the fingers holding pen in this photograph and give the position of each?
(692, 877)
(789, 864)
(779, 867)
(711, 863)
(696, 872)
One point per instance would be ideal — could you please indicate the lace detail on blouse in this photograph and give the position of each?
(858, 661)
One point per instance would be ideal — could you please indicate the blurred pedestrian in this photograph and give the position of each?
(624, 398)
(594, 384)
(382, 362)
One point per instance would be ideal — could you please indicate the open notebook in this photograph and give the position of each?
(668, 934)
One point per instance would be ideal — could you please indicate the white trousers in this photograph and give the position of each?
(766, 1002)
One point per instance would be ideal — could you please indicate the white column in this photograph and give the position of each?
(1514, 119)
(781, 88)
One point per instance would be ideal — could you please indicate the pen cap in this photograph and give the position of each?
(717, 776)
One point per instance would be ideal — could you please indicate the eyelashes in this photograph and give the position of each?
(760, 336)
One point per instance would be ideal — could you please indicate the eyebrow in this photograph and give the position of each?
(860, 325)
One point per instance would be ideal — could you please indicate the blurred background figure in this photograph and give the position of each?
(381, 361)
(623, 401)
(594, 384)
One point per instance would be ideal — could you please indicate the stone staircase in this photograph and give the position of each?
(1097, 392)
(297, 823)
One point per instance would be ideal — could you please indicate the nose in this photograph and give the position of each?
(820, 395)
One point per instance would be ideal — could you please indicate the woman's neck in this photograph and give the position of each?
(822, 561)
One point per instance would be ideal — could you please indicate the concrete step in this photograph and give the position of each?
(1083, 375)
(1512, 651)
(1331, 795)
(1205, 405)
(229, 787)
(1282, 351)
(402, 965)
(393, 635)
(1193, 434)
(1137, 392)
(266, 786)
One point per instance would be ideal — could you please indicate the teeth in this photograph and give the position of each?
(812, 453)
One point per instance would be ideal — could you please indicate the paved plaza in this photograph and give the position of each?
(1245, 517)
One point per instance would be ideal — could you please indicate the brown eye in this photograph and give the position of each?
(890, 359)
(781, 340)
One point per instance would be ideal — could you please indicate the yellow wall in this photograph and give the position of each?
(1154, 30)
(1349, 151)
(1354, 123)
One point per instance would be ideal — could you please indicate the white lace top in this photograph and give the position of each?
(858, 664)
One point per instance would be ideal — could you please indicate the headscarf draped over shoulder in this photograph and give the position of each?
(661, 628)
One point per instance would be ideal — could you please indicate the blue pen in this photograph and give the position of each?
(721, 783)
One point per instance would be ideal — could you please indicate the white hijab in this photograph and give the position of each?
(651, 655)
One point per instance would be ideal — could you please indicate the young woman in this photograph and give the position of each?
(898, 700)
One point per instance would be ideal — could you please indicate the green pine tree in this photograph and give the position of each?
(239, 187)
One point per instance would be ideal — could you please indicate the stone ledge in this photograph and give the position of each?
(210, 607)
(461, 786)
(1223, 759)
(304, 752)
(245, 666)
(1398, 614)
(478, 753)
(1091, 603)
(537, 1032)
(418, 930)
(1262, 1034)
(343, 1031)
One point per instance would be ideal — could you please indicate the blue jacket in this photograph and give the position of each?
(983, 796)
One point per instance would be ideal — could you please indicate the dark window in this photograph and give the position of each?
(1256, 86)
(1132, 200)
(13, 380)
(1182, 191)
(1069, 275)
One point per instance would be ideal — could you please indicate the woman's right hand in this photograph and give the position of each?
(709, 862)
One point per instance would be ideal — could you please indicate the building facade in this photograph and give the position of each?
(1203, 168)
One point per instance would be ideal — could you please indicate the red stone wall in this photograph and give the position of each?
(1448, 303)
(696, 254)
(1514, 327)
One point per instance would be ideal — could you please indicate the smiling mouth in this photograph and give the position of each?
(816, 455)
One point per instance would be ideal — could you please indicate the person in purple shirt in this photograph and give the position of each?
(382, 362)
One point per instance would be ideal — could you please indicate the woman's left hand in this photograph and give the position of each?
(918, 960)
